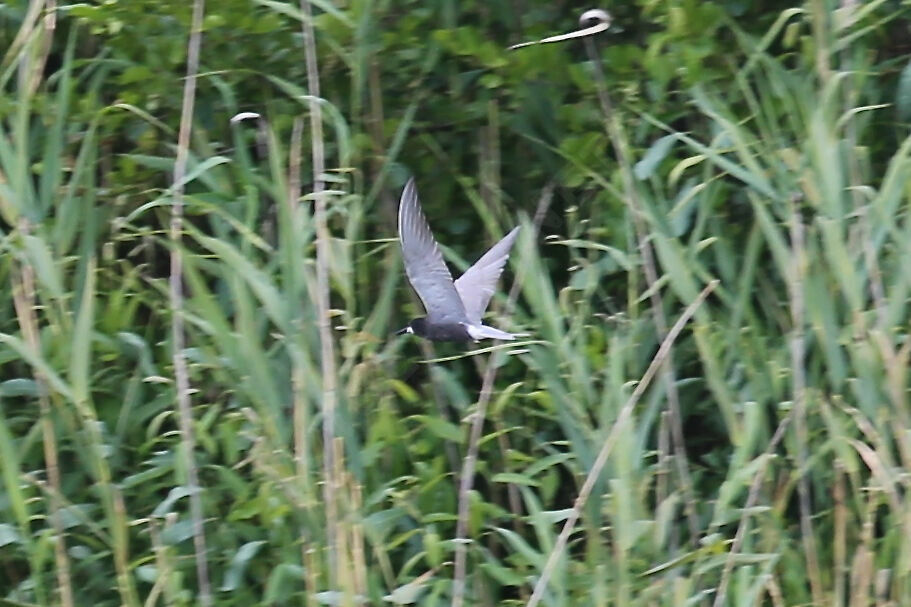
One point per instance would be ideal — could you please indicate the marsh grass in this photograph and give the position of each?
(789, 488)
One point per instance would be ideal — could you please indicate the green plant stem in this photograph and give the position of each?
(820, 39)
(300, 405)
(799, 387)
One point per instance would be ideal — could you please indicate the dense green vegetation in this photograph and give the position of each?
(756, 150)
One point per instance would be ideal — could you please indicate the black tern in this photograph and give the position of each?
(454, 308)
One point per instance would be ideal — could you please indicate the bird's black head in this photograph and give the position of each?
(418, 326)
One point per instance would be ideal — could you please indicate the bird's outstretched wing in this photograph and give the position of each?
(477, 284)
(424, 264)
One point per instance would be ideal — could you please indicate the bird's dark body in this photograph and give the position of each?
(439, 331)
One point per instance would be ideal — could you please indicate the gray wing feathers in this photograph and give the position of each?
(476, 286)
(424, 265)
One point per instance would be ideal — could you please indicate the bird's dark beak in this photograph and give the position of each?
(402, 331)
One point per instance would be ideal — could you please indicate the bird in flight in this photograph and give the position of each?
(454, 308)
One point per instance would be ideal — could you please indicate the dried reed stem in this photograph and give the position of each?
(30, 73)
(621, 149)
(24, 302)
(619, 425)
(752, 497)
(477, 424)
(327, 347)
(298, 390)
(181, 373)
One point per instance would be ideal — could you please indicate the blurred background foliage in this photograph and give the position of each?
(766, 147)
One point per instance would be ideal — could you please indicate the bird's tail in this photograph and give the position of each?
(484, 332)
